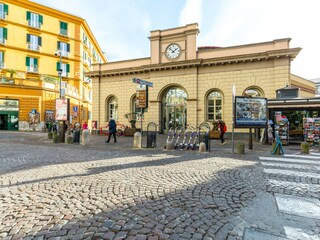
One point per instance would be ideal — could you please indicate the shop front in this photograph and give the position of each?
(9, 114)
(297, 115)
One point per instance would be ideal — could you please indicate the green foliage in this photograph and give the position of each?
(55, 138)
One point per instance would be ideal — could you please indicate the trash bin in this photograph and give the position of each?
(151, 135)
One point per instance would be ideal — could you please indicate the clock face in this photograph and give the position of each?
(173, 51)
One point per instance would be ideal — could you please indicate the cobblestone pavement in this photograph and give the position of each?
(110, 191)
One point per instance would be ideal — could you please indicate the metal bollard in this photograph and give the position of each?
(137, 140)
(85, 137)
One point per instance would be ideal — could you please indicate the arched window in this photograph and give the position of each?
(253, 92)
(133, 104)
(112, 108)
(174, 105)
(214, 106)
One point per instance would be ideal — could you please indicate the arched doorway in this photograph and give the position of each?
(174, 109)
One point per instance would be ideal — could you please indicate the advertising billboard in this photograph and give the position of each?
(62, 109)
(250, 112)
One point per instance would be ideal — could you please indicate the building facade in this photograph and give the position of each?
(35, 43)
(192, 84)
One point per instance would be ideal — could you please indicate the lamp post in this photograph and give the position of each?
(61, 122)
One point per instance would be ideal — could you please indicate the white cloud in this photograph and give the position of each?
(251, 21)
(191, 12)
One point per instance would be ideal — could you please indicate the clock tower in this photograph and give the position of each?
(175, 44)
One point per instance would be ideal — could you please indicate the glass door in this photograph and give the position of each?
(13, 123)
(175, 116)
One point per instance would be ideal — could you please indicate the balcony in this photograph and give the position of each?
(3, 16)
(33, 47)
(63, 32)
(32, 69)
(34, 24)
(2, 41)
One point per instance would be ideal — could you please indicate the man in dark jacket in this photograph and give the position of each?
(112, 130)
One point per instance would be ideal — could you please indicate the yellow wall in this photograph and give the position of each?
(15, 53)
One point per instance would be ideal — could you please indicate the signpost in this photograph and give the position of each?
(142, 82)
(142, 95)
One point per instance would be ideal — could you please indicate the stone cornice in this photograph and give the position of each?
(254, 57)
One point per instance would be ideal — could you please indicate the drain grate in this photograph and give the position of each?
(255, 234)
(300, 206)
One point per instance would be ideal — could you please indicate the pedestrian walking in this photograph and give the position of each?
(222, 128)
(112, 130)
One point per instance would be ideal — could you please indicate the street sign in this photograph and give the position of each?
(142, 82)
(142, 96)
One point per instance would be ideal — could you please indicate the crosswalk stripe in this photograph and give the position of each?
(291, 165)
(302, 156)
(291, 173)
(292, 160)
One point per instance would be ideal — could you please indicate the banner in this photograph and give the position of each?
(250, 112)
(62, 109)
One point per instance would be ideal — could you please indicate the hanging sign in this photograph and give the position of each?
(142, 96)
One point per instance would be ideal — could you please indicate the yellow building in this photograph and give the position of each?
(192, 84)
(35, 42)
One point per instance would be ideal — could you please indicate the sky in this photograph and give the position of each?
(122, 27)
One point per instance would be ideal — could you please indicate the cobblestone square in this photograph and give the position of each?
(111, 191)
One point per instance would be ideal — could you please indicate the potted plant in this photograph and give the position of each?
(132, 120)
(214, 133)
(11, 72)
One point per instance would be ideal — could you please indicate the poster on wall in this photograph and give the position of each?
(250, 112)
(49, 116)
(33, 117)
(62, 109)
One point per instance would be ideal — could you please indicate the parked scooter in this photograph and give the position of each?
(183, 143)
(168, 138)
(192, 135)
(193, 145)
(177, 141)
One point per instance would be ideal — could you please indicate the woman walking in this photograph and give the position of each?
(222, 128)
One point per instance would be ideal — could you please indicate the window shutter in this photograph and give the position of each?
(35, 62)
(27, 61)
(58, 66)
(6, 9)
(39, 41)
(68, 47)
(58, 45)
(28, 38)
(68, 68)
(28, 15)
(66, 26)
(61, 25)
(41, 19)
(5, 33)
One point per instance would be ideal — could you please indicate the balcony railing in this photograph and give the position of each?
(34, 24)
(64, 32)
(32, 69)
(3, 16)
(33, 47)
(2, 41)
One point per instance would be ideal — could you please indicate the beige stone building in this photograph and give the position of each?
(192, 84)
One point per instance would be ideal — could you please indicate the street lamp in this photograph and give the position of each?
(61, 122)
(60, 73)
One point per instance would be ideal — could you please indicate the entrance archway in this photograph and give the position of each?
(174, 109)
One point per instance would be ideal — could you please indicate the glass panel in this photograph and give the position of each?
(214, 106)
(174, 109)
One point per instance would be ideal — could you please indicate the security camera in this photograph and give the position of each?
(56, 53)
